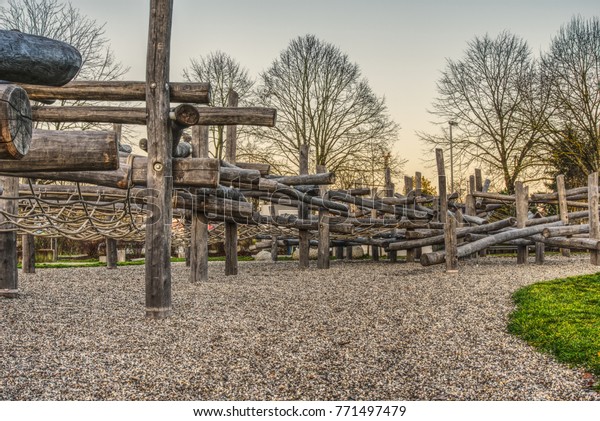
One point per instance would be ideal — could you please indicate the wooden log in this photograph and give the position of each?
(231, 231)
(186, 172)
(494, 196)
(264, 169)
(15, 122)
(428, 259)
(158, 224)
(8, 240)
(323, 218)
(35, 59)
(566, 230)
(192, 93)
(522, 209)
(209, 116)
(443, 200)
(323, 252)
(378, 205)
(199, 240)
(305, 179)
(460, 232)
(562, 206)
(450, 245)
(53, 150)
(111, 253)
(303, 212)
(274, 247)
(594, 219)
(28, 252)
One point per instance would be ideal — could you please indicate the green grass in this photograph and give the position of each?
(562, 317)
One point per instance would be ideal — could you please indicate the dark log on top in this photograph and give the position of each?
(34, 59)
(53, 150)
(192, 93)
(15, 122)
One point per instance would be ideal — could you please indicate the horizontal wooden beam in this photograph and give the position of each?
(194, 93)
(207, 116)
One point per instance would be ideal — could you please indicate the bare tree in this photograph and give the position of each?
(572, 69)
(489, 94)
(322, 100)
(61, 21)
(224, 74)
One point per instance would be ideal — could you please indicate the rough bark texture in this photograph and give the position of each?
(34, 59)
(160, 183)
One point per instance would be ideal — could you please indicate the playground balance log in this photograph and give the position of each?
(52, 150)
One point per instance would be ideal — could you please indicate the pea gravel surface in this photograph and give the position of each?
(359, 331)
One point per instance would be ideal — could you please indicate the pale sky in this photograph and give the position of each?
(401, 46)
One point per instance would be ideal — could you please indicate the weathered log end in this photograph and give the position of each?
(433, 258)
(37, 60)
(15, 122)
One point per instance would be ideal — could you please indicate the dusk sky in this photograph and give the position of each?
(401, 46)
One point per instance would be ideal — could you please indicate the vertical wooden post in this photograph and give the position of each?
(408, 187)
(28, 246)
(522, 208)
(274, 248)
(418, 193)
(348, 252)
(540, 251)
(111, 253)
(450, 245)
(303, 213)
(562, 206)
(54, 246)
(8, 241)
(339, 252)
(594, 218)
(199, 240)
(374, 248)
(478, 180)
(231, 233)
(389, 192)
(443, 195)
(323, 252)
(160, 180)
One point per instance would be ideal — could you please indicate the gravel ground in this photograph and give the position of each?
(359, 331)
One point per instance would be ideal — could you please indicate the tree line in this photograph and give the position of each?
(520, 116)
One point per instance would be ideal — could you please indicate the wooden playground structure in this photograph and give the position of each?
(115, 194)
